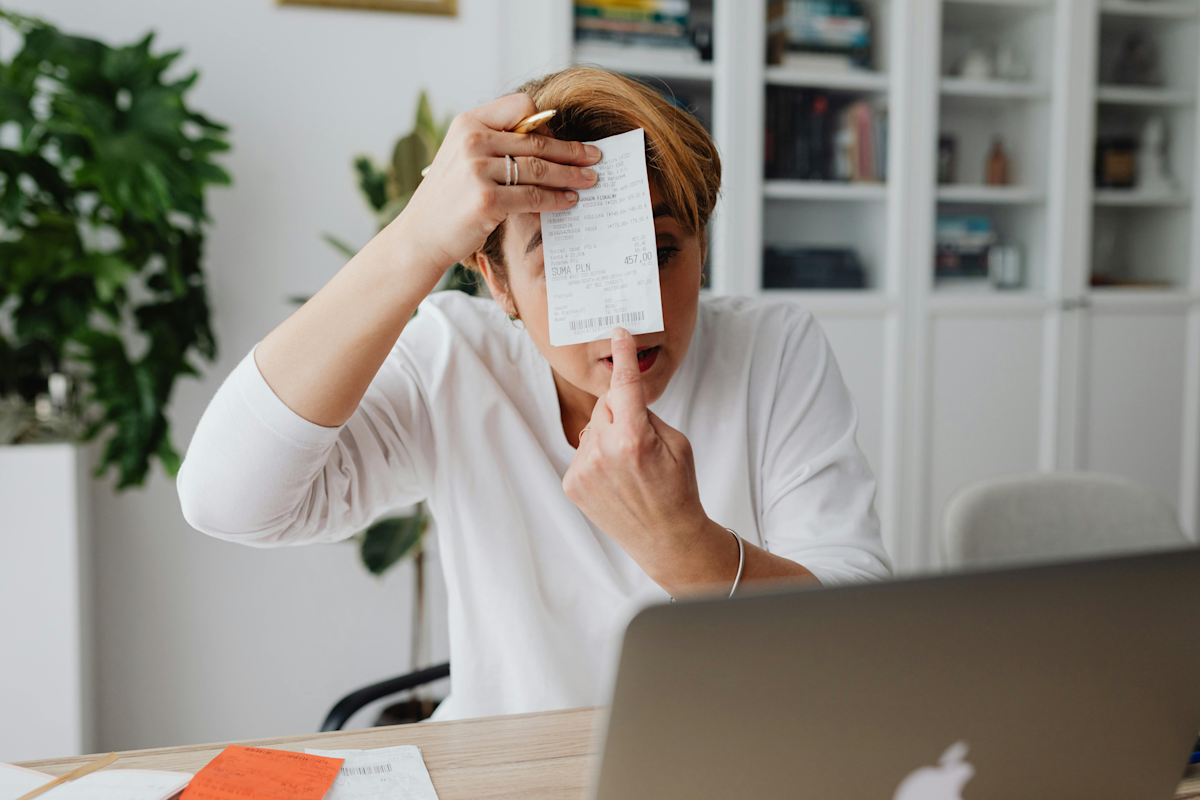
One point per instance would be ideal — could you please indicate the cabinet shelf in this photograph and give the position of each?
(683, 64)
(871, 302)
(850, 80)
(985, 299)
(990, 195)
(1132, 197)
(1128, 298)
(1143, 96)
(1027, 4)
(1163, 9)
(993, 89)
(824, 190)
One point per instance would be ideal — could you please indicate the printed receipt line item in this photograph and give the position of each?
(600, 255)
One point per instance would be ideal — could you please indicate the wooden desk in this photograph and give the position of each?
(531, 756)
(528, 756)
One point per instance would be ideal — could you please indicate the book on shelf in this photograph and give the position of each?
(638, 23)
(962, 248)
(839, 30)
(812, 268)
(814, 135)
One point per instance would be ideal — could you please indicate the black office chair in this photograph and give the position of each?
(348, 705)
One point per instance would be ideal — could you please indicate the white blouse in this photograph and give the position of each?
(464, 415)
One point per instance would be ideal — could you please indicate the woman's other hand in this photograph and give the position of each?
(464, 197)
(634, 477)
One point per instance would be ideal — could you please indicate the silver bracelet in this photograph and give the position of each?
(741, 562)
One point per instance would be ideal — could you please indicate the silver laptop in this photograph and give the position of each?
(1064, 681)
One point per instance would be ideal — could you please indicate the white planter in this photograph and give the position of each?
(45, 603)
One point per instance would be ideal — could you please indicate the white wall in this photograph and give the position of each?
(201, 640)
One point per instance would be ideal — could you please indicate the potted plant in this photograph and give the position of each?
(103, 171)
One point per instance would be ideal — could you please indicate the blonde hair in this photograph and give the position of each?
(681, 158)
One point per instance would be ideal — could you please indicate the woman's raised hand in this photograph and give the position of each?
(463, 198)
(634, 477)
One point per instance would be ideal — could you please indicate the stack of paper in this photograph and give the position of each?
(110, 784)
(394, 773)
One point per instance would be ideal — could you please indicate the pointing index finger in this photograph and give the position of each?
(626, 397)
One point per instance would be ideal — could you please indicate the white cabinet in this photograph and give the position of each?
(1133, 405)
(46, 678)
(954, 385)
(985, 400)
(860, 344)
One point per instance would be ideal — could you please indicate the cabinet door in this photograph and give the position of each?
(858, 345)
(985, 402)
(1133, 400)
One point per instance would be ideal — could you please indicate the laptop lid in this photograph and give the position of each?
(1070, 680)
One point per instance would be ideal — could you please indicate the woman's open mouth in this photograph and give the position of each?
(646, 358)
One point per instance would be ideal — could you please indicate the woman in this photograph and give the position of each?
(565, 481)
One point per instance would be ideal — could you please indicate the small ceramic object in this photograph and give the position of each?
(1005, 269)
(976, 65)
(1009, 64)
(1152, 175)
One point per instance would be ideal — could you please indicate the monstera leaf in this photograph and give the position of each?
(389, 540)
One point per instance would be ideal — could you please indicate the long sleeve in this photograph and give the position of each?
(258, 473)
(818, 489)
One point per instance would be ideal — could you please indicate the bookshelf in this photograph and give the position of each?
(956, 381)
(1142, 236)
(990, 195)
(852, 214)
(824, 190)
(646, 61)
(857, 80)
(1159, 10)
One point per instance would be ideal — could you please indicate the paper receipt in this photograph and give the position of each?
(390, 773)
(600, 255)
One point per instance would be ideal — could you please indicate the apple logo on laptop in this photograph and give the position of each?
(943, 782)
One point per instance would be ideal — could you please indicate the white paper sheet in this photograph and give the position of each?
(16, 781)
(109, 784)
(601, 258)
(394, 773)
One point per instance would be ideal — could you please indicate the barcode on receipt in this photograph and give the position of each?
(594, 323)
(370, 769)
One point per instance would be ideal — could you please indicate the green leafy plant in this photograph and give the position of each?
(103, 171)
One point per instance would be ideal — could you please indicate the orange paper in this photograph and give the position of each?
(255, 773)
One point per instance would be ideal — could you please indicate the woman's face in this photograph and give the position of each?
(589, 366)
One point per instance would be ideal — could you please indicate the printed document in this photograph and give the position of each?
(394, 773)
(600, 255)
